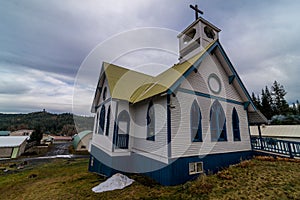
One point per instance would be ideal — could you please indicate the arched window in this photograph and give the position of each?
(235, 126)
(196, 123)
(104, 93)
(217, 122)
(107, 122)
(96, 122)
(122, 136)
(101, 120)
(151, 122)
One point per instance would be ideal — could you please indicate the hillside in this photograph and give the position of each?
(60, 124)
(260, 178)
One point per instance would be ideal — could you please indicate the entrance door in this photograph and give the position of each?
(123, 130)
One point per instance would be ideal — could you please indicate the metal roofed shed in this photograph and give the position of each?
(82, 140)
(12, 146)
(4, 133)
(278, 131)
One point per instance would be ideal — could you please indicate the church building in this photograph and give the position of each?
(192, 118)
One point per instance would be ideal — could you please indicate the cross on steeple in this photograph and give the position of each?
(196, 11)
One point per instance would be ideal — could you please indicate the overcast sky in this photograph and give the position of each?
(44, 43)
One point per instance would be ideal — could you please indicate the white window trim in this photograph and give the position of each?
(194, 168)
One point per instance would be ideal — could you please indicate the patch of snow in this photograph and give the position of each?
(63, 156)
(117, 181)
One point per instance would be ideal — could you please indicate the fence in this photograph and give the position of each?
(282, 147)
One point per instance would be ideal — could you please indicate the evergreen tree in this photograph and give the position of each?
(256, 101)
(294, 109)
(36, 135)
(280, 106)
(298, 107)
(266, 103)
(259, 102)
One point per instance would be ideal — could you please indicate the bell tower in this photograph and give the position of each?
(196, 36)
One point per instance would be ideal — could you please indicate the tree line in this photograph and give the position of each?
(273, 105)
(45, 122)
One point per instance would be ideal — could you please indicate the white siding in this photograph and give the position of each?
(100, 101)
(140, 143)
(101, 140)
(182, 144)
(100, 98)
(199, 82)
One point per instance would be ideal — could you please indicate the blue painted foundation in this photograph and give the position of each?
(173, 174)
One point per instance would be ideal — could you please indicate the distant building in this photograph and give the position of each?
(4, 133)
(47, 139)
(23, 132)
(60, 139)
(278, 131)
(12, 146)
(82, 140)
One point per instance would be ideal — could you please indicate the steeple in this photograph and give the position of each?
(196, 36)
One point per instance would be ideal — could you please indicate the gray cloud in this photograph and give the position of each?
(51, 39)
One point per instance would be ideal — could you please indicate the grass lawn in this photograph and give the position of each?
(260, 178)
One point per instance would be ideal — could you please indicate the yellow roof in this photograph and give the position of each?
(133, 86)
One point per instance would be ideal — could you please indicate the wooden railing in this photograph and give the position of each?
(282, 147)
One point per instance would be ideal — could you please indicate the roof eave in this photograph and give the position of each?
(102, 71)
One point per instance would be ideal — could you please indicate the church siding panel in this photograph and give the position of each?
(182, 144)
(199, 81)
(102, 140)
(157, 147)
(98, 139)
(231, 91)
(100, 98)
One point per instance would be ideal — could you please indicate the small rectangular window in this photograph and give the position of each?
(195, 168)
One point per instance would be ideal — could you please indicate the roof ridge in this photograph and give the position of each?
(136, 86)
(122, 67)
(176, 64)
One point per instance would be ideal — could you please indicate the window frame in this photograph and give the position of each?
(217, 117)
(123, 142)
(107, 121)
(236, 126)
(194, 168)
(104, 94)
(196, 122)
(101, 120)
(150, 122)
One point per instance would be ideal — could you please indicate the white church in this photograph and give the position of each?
(193, 118)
